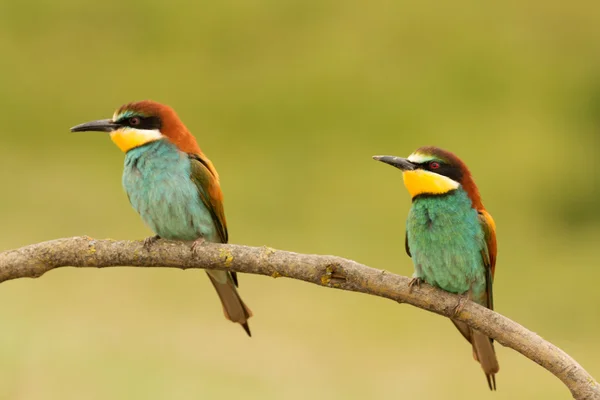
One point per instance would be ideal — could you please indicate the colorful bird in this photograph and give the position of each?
(173, 186)
(450, 237)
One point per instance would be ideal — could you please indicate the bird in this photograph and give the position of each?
(450, 237)
(173, 186)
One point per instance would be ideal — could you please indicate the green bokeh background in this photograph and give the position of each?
(290, 99)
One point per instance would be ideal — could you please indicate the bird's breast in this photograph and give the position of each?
(445, 240)
(157, 180)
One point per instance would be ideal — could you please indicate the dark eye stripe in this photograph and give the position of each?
(150, 123)
(445, 169)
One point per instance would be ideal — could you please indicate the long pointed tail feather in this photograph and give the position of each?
(483, 351)
(233, 307)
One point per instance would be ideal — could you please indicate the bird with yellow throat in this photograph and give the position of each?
(450, 237)
(172, 185)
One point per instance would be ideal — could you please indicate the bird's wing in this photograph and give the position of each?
(210, 193)
(406, 244)
(483, 346)
(489, 253)
(489, 261)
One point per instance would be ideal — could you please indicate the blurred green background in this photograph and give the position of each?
(290, 99)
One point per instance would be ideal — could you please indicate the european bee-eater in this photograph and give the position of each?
(172, 185)
(450, 237)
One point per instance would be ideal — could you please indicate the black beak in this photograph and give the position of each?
(398, 162)
(102, 125)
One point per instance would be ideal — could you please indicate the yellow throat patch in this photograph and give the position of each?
(128, 138)
(420, 181)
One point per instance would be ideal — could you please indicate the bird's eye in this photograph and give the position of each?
(134, 121)
(434, 165)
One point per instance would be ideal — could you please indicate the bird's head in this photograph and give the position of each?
(433, 171)
(136, 124)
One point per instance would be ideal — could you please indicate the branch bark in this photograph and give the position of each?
(330, 271)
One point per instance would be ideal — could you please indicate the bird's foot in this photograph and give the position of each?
(196, 245)
(149, 241)
(415, 281)
(462, 302)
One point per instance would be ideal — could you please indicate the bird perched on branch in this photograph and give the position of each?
(172, 185)
(450, 237)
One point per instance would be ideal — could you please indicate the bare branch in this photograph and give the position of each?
(33, 261)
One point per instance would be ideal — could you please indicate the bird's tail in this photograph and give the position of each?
(233, 307)
(483, 351)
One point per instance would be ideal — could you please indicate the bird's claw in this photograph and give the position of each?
(149, 241)
(416, 281)
(196, 245)
(462, 302)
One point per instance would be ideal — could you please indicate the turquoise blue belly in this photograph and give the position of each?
(157, 180)
(445, 240)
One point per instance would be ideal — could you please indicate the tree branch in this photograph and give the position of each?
(335, 272)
